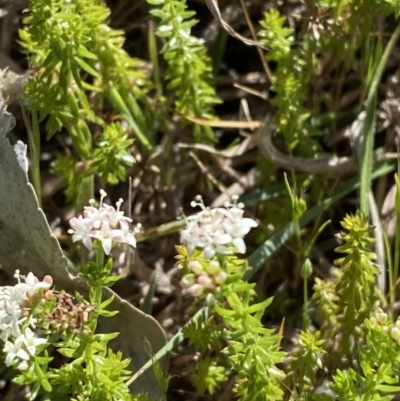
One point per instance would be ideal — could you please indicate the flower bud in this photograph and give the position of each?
(188, 280)
(221, 278)
(196, 267)
(23, 365)
(205, 281)
(395, 333)
(195, 290)
(48, 279)
(213, 267)
(306, 269)
(381, 317)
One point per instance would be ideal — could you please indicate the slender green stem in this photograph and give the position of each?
(306, 319)
(98, 290)
(203, 313)
(100, 264)
(395, 274)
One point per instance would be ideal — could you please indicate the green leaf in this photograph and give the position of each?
(46, 385)
(387, 388)
(270, 246)
(107, 302)
(235, 303)
(84, 52)
(369, 128)
(85, 66)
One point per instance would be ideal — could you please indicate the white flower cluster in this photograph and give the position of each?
(379, 319)
(20, 344)
(395, 332)
(219, 230)
(105, 224)
(203, 278)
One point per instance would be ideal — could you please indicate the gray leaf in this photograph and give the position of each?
(27, 244)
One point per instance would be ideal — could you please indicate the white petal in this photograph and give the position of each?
(249, 222)
(222, 239)
(130, 240)
(190, 248)
(9, 358)
(87, 241)
(22, 365)
(240, 245)
(209, 252)
(107, 244)
(224, 250)
(22, 354)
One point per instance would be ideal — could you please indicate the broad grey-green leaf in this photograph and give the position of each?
(27, 244)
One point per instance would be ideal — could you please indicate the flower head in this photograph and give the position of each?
(22, 348)
(14, 303)
(217, 231)
(106, 224)
(15, 306)
(203, 279)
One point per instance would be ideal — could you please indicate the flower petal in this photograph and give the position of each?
(240, 245)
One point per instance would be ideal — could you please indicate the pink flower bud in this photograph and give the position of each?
(221, 278)
(205, 281)
(196, 267)
(195, 290)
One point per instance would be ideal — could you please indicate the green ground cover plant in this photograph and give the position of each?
(278, 246)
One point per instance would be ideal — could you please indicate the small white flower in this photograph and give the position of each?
(13, 350)
(32, 285)
(106, 224)
(326, 389)
(217, 231)
(32, 341)
(10, 312)
(22, 348)
(96, 215)
(81, 229)
(15, 303)
(116, 216)
(107, 236)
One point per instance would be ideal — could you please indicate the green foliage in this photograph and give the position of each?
(357, 281)
(94, 372)
(106, 384)
(379, 363)
(75, 54)
(291, 77)
(79, 68)
(74, 50)
(111, 158)
(71, 172)
(189, 71)
(207, 375)
(252, 351)
(203, 334)
(308, 359)
(326, 300)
